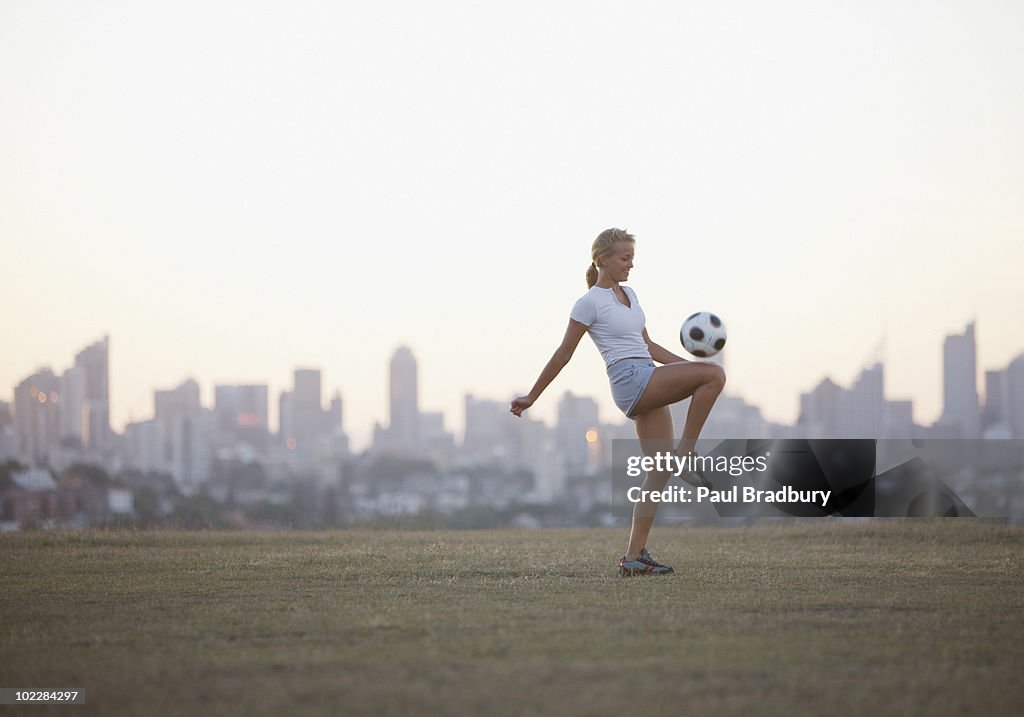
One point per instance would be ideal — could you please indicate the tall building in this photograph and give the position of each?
(486, 436)
(180, 401)
(36, 417)
(1015, 396)
(404, 417)
(821, 410)
(6, 431)
(307, 413)
(434, 439)
(171, 407)
(997, 400)
(191, 449)
(303, 421)
(284, 420)
(73, 412)
(960, 384)
(240, 415)
(408, 430)
(144, 446)
(863, 406)
(94, 363)
(861, 411)
(336, 412)
(577, 427)
(898, 419)
(307, 387)
(533, 447)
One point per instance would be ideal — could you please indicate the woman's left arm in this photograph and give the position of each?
(661, 354)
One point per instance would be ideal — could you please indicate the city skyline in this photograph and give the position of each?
(402, 394)
(60, 465)
(584, 375)
(316, 186)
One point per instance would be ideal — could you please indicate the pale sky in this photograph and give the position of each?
(232, 190)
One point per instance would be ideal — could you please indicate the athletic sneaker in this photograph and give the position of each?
(644, 565)
(645, 553)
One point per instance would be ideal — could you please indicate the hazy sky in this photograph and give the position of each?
(231, 190)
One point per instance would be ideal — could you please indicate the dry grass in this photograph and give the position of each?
(901, 617)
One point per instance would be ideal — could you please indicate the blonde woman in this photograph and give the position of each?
(611, 314)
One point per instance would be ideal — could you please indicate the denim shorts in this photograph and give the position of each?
(629, 378)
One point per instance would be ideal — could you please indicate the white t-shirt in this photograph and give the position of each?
(617, 329)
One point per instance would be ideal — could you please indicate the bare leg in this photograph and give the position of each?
(654, 429)
(702, 383)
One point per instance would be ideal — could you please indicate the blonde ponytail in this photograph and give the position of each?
(604, 246)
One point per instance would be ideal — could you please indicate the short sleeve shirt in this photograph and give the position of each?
(616, 329)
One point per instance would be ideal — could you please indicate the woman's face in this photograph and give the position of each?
(617, 265)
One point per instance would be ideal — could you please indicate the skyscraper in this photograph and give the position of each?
(1015, 396)
(73, 417)
(241, 415)
(997, 400)
(863, 405)
(36, 416)
(180, 401)
(335, 414)
(898, 419)
(821, 410)
(191, 449)
(960, 384)
(303, 421)
(861, 411)
(172, 407)
(404, 394)
(94, 363)
(487, 428)
(144, 446)
(577, 426)
(6, 431)
(307, 412)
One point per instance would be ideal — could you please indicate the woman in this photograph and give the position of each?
(612, 315)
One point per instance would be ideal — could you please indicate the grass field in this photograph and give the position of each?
(901, 617)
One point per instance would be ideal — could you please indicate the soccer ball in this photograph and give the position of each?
(703, 334)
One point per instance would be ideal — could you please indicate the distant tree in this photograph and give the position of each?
(95, 475)
(329, 514)
(475, 517)
(198, 512)
(147, 507)
(6, 469)
(306, 497)
(282, 515)
(244, 476)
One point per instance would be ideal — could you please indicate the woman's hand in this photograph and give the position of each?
(521, 404)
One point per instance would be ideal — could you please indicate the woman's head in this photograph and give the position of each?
(607, 245)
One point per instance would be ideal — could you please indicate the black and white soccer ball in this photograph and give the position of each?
(703, 334)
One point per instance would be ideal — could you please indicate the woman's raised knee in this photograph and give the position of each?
(718, 377)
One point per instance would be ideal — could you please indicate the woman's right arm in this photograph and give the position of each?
(573, 333)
